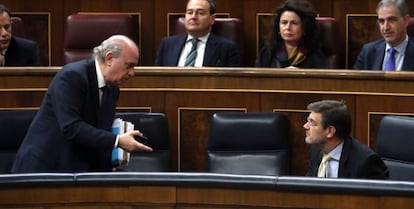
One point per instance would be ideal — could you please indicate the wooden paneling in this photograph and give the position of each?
(154, 25)
(149, 194)
(189, 98)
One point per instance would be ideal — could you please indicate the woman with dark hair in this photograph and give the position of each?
(293, 40)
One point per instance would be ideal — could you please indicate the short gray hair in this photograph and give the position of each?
(400, 4)
(111, 44)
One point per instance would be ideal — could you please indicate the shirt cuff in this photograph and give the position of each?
(116, 141)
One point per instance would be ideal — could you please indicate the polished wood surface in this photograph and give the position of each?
(190, 97)
(200, 190)
(165, 197)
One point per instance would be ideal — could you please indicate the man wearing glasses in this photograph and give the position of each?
(334, 153)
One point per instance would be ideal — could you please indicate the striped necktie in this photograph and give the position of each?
(191, 57)
(1, 59)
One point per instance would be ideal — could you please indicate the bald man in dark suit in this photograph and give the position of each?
(72, 131)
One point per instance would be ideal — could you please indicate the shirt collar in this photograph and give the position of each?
(400, 47)
(201, 39)
(336, 153)
(99, 75)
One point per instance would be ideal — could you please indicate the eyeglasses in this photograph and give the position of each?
(311, 123)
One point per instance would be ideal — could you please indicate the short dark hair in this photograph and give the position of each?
(334, 113)
(307, 13)
(212, 4)
(4, 9)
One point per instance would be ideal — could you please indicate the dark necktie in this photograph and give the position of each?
(191, 57)
(106, 111)
(390, 63)
(1, 59)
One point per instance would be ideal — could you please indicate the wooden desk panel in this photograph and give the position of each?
(200, 190)
(190, 96)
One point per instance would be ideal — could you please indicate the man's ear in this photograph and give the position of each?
(213, 18)
(406, 20)
(331, 131)
(108, 58)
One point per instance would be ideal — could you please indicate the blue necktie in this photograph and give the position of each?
(106, 111)
(390, 63)
(191, 57)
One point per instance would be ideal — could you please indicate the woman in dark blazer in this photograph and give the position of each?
(293, 40)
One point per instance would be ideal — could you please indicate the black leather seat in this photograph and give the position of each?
(395, 145)
(13, 128)
(248, 143)
(328, 29)
(155, 127)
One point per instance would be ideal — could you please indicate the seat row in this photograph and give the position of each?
(255, 143)
(79, 41)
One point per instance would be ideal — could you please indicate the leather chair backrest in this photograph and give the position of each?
(155, 127)
(328, 29)
(13, 127)
(17, 27)
(395, 145)
(248, 143)
(85, 31)
(229, 28)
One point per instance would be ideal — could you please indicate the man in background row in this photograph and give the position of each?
(15, 51)
(395, 51)
(199, 47)
(293, 41)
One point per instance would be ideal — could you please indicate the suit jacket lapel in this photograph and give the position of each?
(408, 63)
(93, 88)
(177, 48)
(378, 55)
(342, 171)
(211, 51)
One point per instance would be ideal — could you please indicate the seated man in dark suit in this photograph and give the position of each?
(198, 47)
(15, 51)
(396, 49)
(334, 153)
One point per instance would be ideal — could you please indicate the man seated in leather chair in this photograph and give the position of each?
(15, 51)
(198, 47)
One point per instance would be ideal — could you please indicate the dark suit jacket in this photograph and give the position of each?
(63, 136)
(372, 56)
(219, 52)
(357, 161)
(22, 52)
(314, 59)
